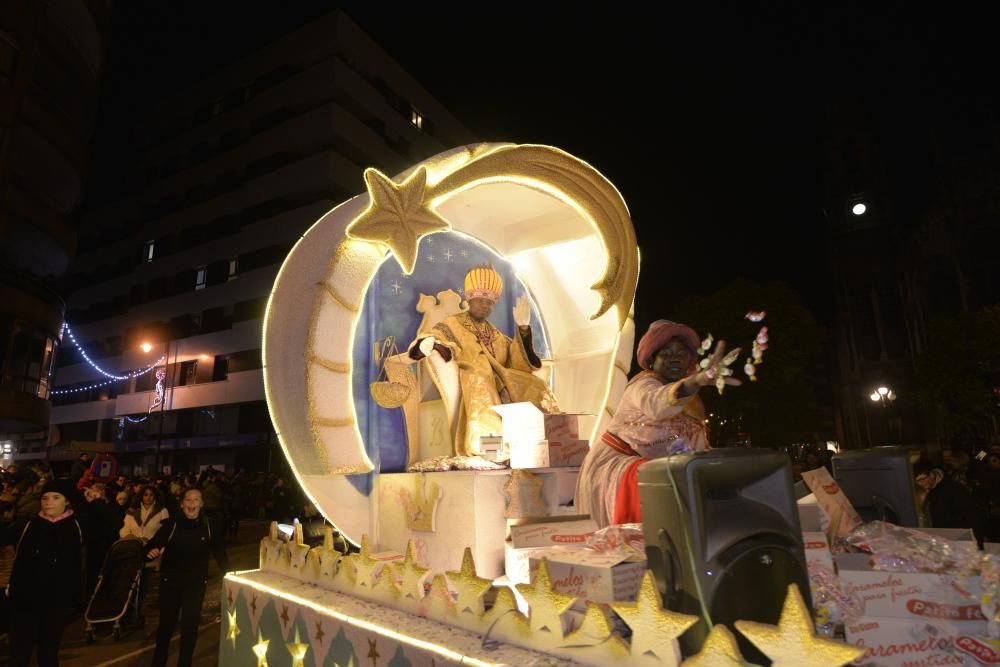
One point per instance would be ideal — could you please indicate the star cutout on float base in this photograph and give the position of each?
(719, 650)
(793, 641)
(284, 616)
(654, 628)
(260, 649)
(596, 636)
(412, 574)
(545, 606)
(373, 653)
(398, 216)
(366, 565)
(233, 628)
(470, 588)
(297, 649)
(319, 633)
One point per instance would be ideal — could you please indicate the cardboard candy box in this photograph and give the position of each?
(594, 576)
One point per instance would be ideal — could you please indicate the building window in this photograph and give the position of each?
(234, 267)
(188, 374)
(200, 277)
(8, 60)
(416, 119)
(221, 369)
(149, 250)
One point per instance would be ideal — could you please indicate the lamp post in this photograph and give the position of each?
(884, 396)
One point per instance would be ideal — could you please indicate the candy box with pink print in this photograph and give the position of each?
(592, 575)
(897, 642)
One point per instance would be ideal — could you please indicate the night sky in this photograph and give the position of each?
(710, 123)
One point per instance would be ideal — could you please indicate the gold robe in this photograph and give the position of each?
(492, 369)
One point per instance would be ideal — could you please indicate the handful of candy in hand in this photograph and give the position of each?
(900, 549)
(624, 538)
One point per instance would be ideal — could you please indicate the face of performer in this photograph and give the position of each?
(673, 360)
(480, 309)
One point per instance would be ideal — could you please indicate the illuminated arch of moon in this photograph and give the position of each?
(490, 192)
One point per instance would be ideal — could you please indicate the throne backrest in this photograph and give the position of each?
(435, 310)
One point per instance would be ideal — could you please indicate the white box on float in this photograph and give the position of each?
(535, 439)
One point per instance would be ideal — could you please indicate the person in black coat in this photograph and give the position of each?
(948, 503)
(45, 582)
(102, 523)
(186, 541)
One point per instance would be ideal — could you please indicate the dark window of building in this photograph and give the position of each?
(200, 277)
(251, 309)
(245, 360)
(849, 157)
(189, 370)
(221, 369)
(214, 319)
(146, 381)
(416, 119)
(149, 250)
(232, 269)
(8, 60)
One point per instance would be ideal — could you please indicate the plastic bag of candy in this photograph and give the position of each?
(624, 538)
(900, 549)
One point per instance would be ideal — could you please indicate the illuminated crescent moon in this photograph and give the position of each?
(561, 223)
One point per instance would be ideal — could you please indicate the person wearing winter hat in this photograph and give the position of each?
(659, 414)
(45, 582)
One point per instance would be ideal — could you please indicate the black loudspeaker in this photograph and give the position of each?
(724, 520)
(879, 483)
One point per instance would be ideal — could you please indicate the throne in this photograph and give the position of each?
(430, 412)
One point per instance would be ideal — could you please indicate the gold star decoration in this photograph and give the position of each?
(373, 652)
(412, 574)
(233, 628)
(347, 574)
(297, 649)
(793, 642)
(385, 586)
(439, 604)
(505, 612)
(284, 616)
(654, 628)
(719, 650)
(366, 565)
(523, 495)
(319, 633)
(260, 649)
(470, 588)
(545, 606)
(398, 215)
(596, 635)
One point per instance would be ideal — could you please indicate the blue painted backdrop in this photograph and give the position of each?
(390, 310)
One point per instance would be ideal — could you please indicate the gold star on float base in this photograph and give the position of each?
(545, 606)
(412, 574)
(469, 587)
(366, 565)
(793, 642)
(233, 628)
(503, 607)
(398, 215)
(260, 649)
(297, 649)
(654, 628)
(597, 635)
(719, 650)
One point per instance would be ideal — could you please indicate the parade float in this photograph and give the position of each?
(460, 505)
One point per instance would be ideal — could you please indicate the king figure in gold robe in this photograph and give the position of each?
(492, 367)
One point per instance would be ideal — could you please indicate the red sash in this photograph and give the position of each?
(627, 509)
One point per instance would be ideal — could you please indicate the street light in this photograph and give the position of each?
(886, 397)
(859, 208)
(146, 347)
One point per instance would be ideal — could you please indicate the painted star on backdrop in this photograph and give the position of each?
(319, 633)
(793, 642)
(253, 603)
(719, 650)
(284, 616)
(654, 628)
(398, 216)
(470, 588)
(373, 653)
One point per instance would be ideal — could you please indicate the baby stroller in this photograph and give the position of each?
(117, 590)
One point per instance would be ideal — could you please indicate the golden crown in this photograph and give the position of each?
(483, 282)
